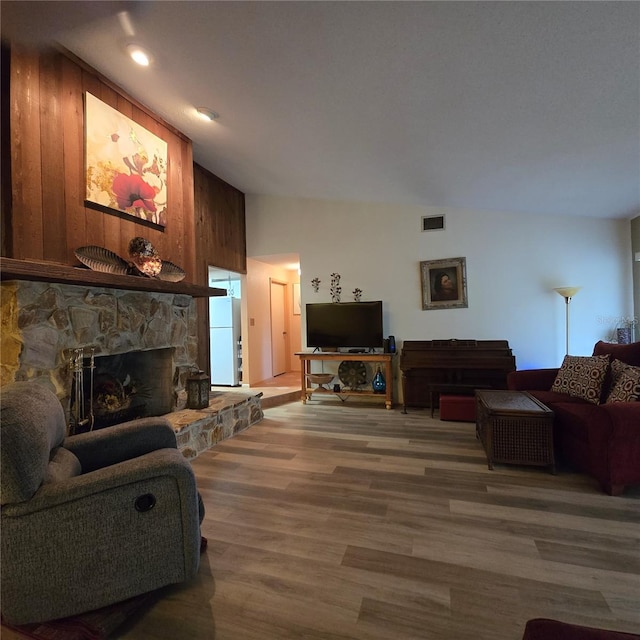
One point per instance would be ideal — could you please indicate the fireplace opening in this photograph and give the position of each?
(121, 387)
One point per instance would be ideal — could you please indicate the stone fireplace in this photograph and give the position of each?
(141, 340)
(154, 334)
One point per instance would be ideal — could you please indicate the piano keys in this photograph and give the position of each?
(428, 366)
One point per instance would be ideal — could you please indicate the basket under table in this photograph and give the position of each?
(514, 428)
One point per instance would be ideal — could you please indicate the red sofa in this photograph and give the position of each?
(602, 440)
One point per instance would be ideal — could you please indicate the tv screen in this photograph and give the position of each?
(345, 324)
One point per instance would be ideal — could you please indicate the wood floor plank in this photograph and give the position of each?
(332, 521)
(570, 521)
(589, 557)
(458, 575)
(304, 546)
(328, 581)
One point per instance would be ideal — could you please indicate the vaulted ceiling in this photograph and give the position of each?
(522, 107)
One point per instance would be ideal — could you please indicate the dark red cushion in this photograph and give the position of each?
(527, 379)
(629, 353)
(545, 629)
(551, 398)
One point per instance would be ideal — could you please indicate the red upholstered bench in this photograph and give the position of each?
(459, 408)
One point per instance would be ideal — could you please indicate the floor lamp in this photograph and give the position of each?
(567, 293)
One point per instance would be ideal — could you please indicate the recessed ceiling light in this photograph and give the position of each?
(139, 54)
(207, 114)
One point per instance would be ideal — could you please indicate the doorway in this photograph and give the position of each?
(225, 334)
(278, 328)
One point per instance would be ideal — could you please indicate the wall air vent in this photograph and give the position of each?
(432, 223)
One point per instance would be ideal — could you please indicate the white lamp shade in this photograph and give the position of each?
(567, 292)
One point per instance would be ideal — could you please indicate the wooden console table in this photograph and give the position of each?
(336, 356)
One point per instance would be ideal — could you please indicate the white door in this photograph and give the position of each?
(278, 329)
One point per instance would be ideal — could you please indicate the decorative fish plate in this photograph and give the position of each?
(101, 259)
(171, 272)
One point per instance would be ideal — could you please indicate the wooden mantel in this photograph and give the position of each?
(12, 269)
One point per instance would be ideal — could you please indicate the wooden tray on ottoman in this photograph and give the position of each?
(514, 428)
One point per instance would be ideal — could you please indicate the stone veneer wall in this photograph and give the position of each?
(42, 323)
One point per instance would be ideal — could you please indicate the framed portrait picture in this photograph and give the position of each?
(126, 165)
(444, 283)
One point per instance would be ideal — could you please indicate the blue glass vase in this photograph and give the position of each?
(378, 383)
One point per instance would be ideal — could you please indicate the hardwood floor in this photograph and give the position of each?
(347, 521)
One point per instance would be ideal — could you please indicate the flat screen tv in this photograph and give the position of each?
(345, 324)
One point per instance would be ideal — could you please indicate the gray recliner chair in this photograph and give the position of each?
(92, 519)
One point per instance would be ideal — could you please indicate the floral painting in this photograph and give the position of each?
(126, 165)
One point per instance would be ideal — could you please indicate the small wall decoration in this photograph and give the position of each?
(126, 165)
(444, 283)
(315, 283)
(335, 288)
(357, 294)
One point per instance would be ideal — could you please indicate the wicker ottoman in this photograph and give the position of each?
(459, 408)
(514, 428)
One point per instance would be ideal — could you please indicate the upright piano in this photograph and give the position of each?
(458, 366)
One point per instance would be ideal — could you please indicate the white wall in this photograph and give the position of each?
(635, 251)
(513, 263)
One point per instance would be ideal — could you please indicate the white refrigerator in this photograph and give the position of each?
(224, 329)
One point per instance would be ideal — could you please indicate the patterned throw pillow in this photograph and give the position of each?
(582, 377)
(625, 383)
(617, 367)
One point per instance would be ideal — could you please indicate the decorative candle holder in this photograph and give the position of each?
(198, 387)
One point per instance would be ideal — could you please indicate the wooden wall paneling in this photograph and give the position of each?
(26, 165)
(240, 232)
(73, 141)
(216, 248)
(200, 277)
(231, 227)
(94, 220)
(219, 236)
(201, 265)
(6, 242)
(193, 260)
(174, 241)
(51, 137)
(199, 207)
(220, 219)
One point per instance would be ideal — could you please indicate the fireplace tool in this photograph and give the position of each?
(79, 418)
